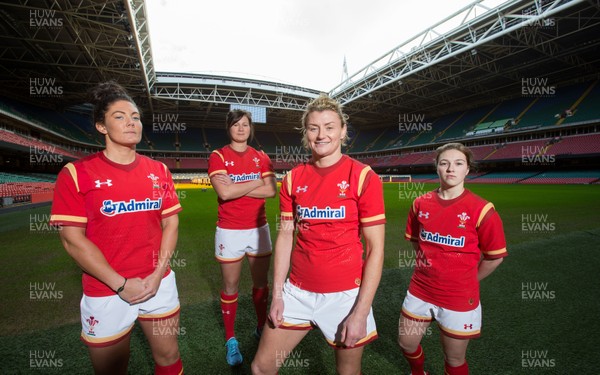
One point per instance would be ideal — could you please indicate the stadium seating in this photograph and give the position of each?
(517, 150)
(588, 108)
(10, 137)
(542, 112)
(576, 145)
(502, 177)
(564, 177)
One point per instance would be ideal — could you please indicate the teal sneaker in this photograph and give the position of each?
(234, 357)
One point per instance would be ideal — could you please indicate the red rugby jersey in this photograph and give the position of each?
(120, 207)
(243, 212)
(453, 235)
(329, 206)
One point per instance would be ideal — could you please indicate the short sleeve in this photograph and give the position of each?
(216, 164)
(171, 200)
(371, 208)
(412, 224)
(266, 166)
(492, 241)
(68, 205)
(285, 199)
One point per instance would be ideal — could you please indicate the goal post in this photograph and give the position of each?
(396, 178)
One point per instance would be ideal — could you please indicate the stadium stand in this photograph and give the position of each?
(25, 188)
(518, 150)
(363, 139)
(542, 112)
(502, 177)
(564, 177)
(576, 145)
(587, 109)
(34, 144)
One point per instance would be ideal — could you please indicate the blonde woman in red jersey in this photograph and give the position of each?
(326, 205)
(459, 240)
(117, 213)
(242, 178)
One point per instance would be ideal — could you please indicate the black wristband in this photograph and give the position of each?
(122, 286)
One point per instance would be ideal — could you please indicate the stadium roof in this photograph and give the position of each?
(53, 51)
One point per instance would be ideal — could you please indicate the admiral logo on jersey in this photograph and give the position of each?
(442, 240)
(110, 208)
(244, 177)
(321, 213)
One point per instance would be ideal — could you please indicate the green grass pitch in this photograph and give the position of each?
(540, 308)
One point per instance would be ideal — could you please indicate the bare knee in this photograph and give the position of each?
(261, 368)
(455, 361)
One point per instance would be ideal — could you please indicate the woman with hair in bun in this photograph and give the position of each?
(117, 215)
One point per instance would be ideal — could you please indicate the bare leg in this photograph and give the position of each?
(274, 347)
(111, 360)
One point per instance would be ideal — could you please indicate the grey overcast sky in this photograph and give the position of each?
(300, 42)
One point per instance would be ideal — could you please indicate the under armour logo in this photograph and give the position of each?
(468, 326)
(302, 189)
(424, 214)
(100, 183)
(228, 163)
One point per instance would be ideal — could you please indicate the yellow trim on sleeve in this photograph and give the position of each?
(361, 179)
(74, 219)
(485, 210)
(289, 182)
(71, 168)
(218, 171)
(171, 209)
(220, 155)
(495, 252)
(372, 218)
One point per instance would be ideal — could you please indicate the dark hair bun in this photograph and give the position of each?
(104, 94)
